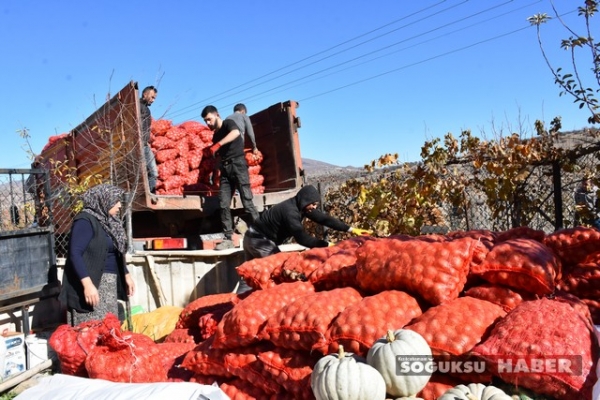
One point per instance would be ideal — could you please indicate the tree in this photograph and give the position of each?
(572, 83)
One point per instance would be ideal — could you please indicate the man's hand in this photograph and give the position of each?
(212, 150)
(360, 232)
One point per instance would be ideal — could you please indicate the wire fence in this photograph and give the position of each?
(26, 201)
(22, 204)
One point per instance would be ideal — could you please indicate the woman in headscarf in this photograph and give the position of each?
(95, 273)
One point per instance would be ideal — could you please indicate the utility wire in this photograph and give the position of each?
(303, 78)
(178, 112)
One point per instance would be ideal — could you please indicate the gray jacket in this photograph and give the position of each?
(244, 125)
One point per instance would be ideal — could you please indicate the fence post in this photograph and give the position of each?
(558, 203)
(127, 197)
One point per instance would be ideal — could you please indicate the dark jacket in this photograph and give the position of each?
(284, 220)
(146, 121)
(95, 259)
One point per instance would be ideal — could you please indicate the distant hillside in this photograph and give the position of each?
(316, 168)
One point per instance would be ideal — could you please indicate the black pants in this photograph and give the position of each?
(234, 174)
(257, 245)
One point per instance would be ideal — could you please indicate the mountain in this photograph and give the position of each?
(314, 168)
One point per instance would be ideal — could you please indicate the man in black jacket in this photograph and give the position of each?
(284, 221)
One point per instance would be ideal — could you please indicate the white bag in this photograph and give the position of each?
(67, 387)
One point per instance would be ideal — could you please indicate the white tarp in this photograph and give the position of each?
(66, 387)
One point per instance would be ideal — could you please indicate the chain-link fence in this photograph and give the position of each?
(20, 203)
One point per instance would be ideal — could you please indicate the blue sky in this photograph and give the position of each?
(372, 77)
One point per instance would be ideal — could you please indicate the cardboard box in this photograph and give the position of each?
(14, 359)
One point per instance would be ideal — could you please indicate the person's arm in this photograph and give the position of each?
(233, 134)
(302, 237)
(81, 236)
(327, 220)
(250, 133)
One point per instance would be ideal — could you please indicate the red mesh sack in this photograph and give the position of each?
(302, 324)
(582, 281)
(206, 135)
(482, 235)
(180, 335)
(254, 170)
(171, 354)
(339, 270)
(438, 385)
(173, 182)
(522, 264)
(353, 243)
(159, 127)
(166, 155)
(263, 273)
(244, 364)
(521, 232)
(257, 189)
(175, 133)
(194, 159)
(302, 264)
(182, 167)
(192, 177)
(239, 389)
(126, 357)
(594, 309)
(194, 127)
(574, 245)
(205, 359)
(543, 329)
(72, 345)
(162, 143)
(191, 314)
(209, 379)
(291, 369)
(435, 271)
(256, 180)
(253, 159)
(361, 324)
(502, 296)
(240, 326)
(195, 143)
(453, 328)
(166, 169)
(209, 321)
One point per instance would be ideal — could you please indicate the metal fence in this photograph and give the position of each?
(21, 204)
(25, 200)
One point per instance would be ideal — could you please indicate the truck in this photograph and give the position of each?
(107, 147)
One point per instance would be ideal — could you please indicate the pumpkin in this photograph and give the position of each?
(474, 391)
(383, 356)
(345, 376)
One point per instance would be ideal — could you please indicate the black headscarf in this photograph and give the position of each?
(97, 201)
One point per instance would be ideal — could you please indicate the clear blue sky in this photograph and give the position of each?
(371, 77)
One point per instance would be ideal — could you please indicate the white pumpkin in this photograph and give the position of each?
(383, 356)
(346, 376)
(474, 391)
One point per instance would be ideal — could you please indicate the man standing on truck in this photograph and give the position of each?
(148, 96)
(229, 145)
(244, 124)
(284, 221)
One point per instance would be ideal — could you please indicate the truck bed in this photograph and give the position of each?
(107, 147)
